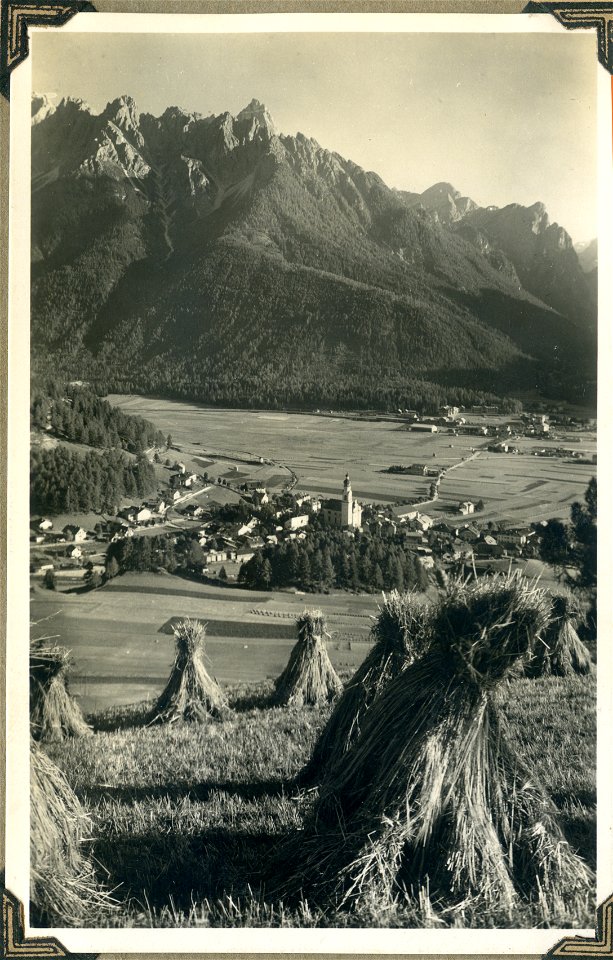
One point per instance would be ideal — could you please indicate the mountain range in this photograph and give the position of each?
(215, 258)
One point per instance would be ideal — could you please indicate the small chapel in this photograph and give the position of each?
(345, 513)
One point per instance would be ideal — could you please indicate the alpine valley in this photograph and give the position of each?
(216, 259)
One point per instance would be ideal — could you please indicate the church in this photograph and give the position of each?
(346, 514)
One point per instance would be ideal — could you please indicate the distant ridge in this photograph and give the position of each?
(216, 258)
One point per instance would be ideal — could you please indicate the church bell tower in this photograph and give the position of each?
(347, 504)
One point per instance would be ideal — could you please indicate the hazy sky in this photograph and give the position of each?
(504, 118)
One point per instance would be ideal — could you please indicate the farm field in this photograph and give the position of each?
(522, 488)
(320, 450)
(123, 649)
(187, 818)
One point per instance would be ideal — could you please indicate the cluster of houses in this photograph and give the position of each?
(66, 543)
(451, 418)
(459, 541)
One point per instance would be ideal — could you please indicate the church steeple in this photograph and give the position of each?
(347, 495)
(347, 505)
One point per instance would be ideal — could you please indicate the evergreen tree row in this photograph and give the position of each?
(142, 554)
(325, 559)
(352, 387)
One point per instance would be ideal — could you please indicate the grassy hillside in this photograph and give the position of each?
(187, 817)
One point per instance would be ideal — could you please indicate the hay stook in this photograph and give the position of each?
(559, 651)
(402, 634)
(309, 677)
(64, 889)
(54, 714)
(191, 693)
(432, 795)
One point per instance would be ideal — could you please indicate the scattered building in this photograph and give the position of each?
(467, 506)
(247, 528)
(74, 533)
(424, 427)
(515, 536)
(473, 429)
(296, 523)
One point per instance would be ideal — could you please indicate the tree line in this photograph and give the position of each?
(63, 481)
(575, 543)
(78, 414)
(325, 559)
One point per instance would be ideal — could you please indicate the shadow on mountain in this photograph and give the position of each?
(538, 331)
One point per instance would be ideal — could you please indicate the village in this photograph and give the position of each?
(227, 518)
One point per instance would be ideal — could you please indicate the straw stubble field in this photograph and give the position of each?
(186, 816)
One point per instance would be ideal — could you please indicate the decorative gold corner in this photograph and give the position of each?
(20, 15)
(15, 17)
(602, 946)
(575, 15)
(14, 942)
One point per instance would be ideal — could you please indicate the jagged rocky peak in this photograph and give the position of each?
(123, 113)
(539, 216)
(557, 238)
(116, 143)
(175, 121)
(258, 116)
(43, 104)
(441, 190)
(67, 106)
(446, 202)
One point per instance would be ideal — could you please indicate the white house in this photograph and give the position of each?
(423, 521)
(296, 523)
(74, 533)
(467, 506)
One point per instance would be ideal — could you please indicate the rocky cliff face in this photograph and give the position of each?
(587, 252)
(522, 239)
(176, 236)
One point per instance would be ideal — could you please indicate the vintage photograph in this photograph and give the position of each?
(313, 325)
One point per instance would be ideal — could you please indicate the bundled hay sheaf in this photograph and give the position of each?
(402, 633)
(309, 677)
(432, 795)
(64, 889)
(559, 651)
(191, 693)
(54, 714)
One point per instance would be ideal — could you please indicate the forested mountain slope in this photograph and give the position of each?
(212, 257)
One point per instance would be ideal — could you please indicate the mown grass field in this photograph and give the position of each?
(188, 819)
(122, 650)
(320, 450)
